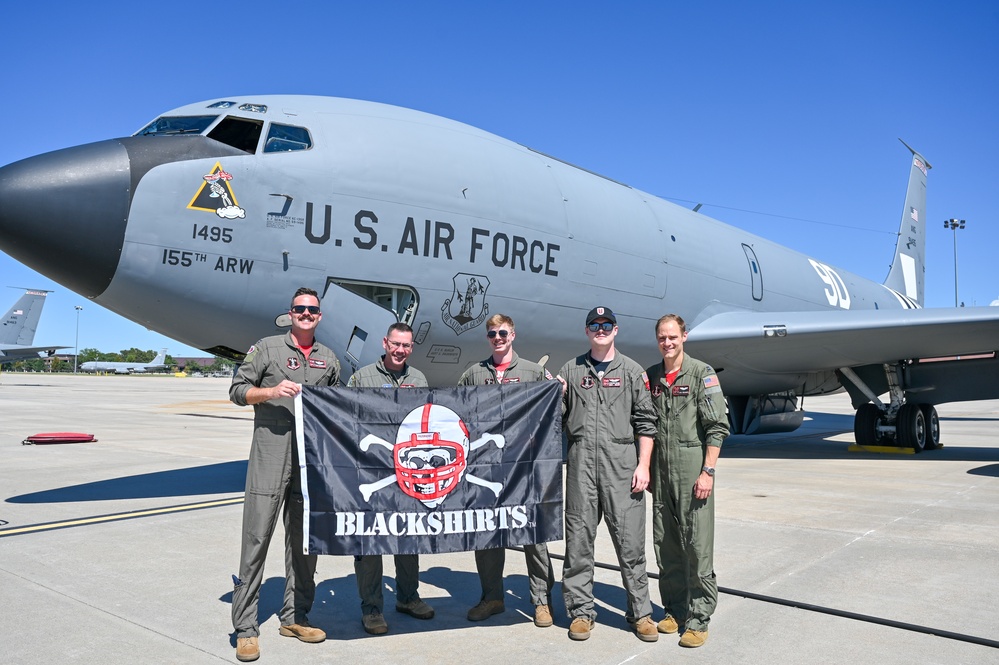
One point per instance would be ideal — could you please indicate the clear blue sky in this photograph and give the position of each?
(780, 117)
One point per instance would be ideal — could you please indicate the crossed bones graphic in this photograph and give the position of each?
(368, 489)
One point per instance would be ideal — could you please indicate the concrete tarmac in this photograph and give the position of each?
(122, 551)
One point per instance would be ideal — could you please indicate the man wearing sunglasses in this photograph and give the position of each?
(606, 407)
(505, 366)
(391, 371)
(691, 428)
(272, 374)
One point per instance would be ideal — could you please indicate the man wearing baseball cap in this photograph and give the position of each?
(606, 407)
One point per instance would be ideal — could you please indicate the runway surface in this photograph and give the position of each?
(122, 551)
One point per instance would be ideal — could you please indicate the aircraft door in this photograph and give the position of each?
(756, 275)
(356, 316)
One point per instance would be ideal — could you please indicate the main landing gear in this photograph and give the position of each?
(900, 423)
(915, 426)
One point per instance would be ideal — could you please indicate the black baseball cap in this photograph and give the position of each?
(601, 313)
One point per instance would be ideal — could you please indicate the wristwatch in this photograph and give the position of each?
(710, 470)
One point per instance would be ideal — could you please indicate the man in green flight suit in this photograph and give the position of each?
(606, 407)
(691, 425)
(272, 374)
(505, 366)
(392, 371)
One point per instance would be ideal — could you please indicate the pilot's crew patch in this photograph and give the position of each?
(681, 391)
(293, 363)
(657, 390)
(317, 363)
(612, 382)
(512, 379)
(587, 382)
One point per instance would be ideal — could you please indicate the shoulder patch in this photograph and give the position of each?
(645, 379)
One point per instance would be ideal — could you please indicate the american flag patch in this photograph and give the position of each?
(711, 382)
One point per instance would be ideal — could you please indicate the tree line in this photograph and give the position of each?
(133, 355)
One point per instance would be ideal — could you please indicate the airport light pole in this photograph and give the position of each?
(954, 225)
(76, 354)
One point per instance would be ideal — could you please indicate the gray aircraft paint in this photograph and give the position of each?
(17, 328)
(116, 367)
(461, 224)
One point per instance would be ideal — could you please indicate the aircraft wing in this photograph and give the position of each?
(805, 342)
(13, 349)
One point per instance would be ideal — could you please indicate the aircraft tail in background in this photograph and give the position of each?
(908, 269)
(20, 322)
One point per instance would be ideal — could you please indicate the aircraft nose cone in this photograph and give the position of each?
(64, 213)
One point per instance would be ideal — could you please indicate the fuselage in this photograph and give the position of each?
(390, 214)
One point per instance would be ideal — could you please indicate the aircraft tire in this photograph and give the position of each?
(932, 421)
(911, 428)
(865, 425)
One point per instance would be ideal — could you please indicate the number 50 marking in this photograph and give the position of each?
(836, 292)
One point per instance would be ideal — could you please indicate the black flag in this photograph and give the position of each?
(417, 470)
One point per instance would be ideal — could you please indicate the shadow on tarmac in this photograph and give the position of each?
(337, 608)
(814, 440)
(221, 478)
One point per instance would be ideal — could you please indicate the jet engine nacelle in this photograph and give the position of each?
(764, 414)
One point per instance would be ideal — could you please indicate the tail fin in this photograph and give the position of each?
(160, 358)
(907, 272)
(19, 324)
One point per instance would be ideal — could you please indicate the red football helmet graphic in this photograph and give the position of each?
(430, 453)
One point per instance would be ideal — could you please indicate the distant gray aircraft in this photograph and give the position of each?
(202, 223)
(115, 367)
(17, 328)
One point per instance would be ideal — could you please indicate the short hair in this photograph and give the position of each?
(305, 291)
(399, 327)
(498, 320)
(671, 317)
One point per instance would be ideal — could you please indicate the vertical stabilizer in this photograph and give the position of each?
(160, 358)
(908, 268)
(19, 324)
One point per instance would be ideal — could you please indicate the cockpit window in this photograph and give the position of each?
(284, 138)
(167, 125)
(240, 133)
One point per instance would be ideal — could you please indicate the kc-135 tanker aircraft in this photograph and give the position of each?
(18, 325)
(202, 224)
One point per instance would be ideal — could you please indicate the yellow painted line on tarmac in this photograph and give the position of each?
(116, 517)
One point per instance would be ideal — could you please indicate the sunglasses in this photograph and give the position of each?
(400, 345)
(606, 326)
(502, 333)
(302, 309)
